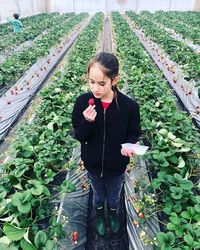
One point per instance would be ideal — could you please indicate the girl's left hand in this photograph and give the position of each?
(127, 152)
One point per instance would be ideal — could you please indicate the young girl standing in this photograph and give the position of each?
(104, 119)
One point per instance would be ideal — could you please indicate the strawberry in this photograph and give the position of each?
(141, 215)
(91, 101)
(75, 237)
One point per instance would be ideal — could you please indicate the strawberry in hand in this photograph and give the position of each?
(91, 101)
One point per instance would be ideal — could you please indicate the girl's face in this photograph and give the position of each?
(100, 85)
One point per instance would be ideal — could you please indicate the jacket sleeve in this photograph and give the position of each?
(83, 129)
(134, 127)
(10, 20)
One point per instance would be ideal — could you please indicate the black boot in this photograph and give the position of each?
(114, 222)
(100, 221)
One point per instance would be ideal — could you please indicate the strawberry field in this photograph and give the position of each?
(42, 71)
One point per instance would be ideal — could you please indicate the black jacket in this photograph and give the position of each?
(101, 140)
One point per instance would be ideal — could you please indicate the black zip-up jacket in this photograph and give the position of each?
(101, 140)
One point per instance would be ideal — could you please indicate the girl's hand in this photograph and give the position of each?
(127, 152)
(90, 113)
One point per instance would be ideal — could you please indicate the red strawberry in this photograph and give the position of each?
(75, 237)
(91, 101)
(141, 215)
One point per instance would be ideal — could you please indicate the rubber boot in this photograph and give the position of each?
(114, 222)
(100, 221)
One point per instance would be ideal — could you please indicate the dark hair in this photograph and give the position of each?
(108, 62)
(16, 16)
(109, 65)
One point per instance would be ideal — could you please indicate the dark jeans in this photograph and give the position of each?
(106, 189)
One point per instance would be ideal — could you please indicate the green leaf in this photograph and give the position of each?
(50, 245)
(161, 237)
(26, 245)
(174, 219)
(177, 208)
(40, 239)
(171, 238)
(12, 232)
(181, 163)
(197, 199)
(13, 179)
(171, 226)
(46, 191)
(37, 188)
(168, 210)
(163, 132)
(186, 184)
(171, 136)
(9, 218)
(186, 215)
(188, 239)
(26, 196)
(24, 208)
(197, 217)
(173, 159)
(178, 177)
(185, 150)
(5, 241)
(179, 231)
(197, 208)
(176, 196)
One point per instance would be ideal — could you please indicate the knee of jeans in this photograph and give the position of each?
(113, 203)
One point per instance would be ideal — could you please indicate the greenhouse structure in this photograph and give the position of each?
(99, 124)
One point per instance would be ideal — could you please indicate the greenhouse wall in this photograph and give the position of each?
(33, 7)
(23, 7)
(120, 5)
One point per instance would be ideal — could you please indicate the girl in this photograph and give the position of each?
(102, 121)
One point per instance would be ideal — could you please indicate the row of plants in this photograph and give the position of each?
(178, 52)
(7, 30)
(190, 18)
(173, 158)
(17, 64)
(35, 175)
(180, 28)
(32, 31)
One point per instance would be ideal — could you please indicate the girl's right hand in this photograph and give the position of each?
(90, 113)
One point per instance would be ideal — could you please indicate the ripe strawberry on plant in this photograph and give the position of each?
(141, 215)
(91, 101)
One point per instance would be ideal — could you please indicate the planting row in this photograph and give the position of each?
(42, 23)
(6, 28)
(173, 160)
(34, 176)
(190, 18)
(16, 65)
(188, 61)
(161, 17)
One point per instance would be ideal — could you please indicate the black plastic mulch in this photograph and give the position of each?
(109, 242)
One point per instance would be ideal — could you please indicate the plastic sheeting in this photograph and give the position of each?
(178, 37)
(77, 207)
(18, 96)
(19, 48)
(185, 90)
(74, 207)
(151, 227)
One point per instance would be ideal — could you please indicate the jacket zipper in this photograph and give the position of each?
(104, 138)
